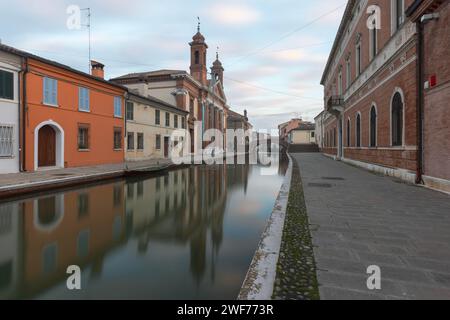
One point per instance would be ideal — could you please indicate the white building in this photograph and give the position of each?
(10, 67)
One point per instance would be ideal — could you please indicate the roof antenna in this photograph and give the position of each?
(88, 25)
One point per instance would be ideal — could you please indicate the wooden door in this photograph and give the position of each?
(166, 147)
(47, 147)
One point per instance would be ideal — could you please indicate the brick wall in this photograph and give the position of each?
(436, 107)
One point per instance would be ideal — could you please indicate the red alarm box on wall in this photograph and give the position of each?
(432, 81)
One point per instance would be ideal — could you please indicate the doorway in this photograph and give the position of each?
(166, 147)
(47, 147)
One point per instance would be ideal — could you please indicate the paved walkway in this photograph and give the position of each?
(360, 219)
(19, 181)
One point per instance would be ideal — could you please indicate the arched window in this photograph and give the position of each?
(197, 57)
(334, 138)
(373, 127)
(358, 131)
(397, 120)
(348, 133)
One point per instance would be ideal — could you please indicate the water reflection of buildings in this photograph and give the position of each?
(49, 233)
(40, 237)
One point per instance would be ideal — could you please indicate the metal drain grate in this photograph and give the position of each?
(320, 185)
(333, 178)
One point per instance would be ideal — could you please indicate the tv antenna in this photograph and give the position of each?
(88, 26)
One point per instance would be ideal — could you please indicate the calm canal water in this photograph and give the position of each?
(188, 235)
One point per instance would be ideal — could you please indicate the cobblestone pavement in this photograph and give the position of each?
(358, 219)
(296, 270)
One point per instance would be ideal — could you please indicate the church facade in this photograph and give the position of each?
(196, 92)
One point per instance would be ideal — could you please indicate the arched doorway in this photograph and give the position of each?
(47, 147)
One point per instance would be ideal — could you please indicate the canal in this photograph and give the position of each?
(190, 234)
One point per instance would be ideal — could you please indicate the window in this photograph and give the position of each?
(50, 91)
(130, 111)
(6, 140)
(197, 57)
(117, 106)
(348, 73)
(312, 134)
(130, 141)
(157, 117)
(373, 40)
(183, 122)
(398, 14)
(348, 133)
(334, 138)
(117, 138)
(6, 85)
(358, 131)
(373, 127)
(358, 58)
(191, 106)
(397, 120)
(340, 87)
(175, 121)
(167, 119)
(158, 142)
(83, 99)
(140, 141)
(83, 137)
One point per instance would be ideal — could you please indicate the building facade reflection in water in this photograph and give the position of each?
(185, 209)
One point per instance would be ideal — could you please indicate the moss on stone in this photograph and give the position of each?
(296, 269)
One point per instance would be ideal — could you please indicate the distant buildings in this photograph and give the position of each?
(285, 128)
(303, 134)
(377, 113)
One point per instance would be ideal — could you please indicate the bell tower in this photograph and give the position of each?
(217, 69)
(198, 57)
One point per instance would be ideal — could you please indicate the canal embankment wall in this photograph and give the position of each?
(260, 279)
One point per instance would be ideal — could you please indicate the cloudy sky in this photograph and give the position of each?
(273, 51)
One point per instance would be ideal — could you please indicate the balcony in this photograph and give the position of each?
(335, 105)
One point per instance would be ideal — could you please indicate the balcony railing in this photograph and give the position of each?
(335, 101)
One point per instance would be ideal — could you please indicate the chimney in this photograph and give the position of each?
(97, 69)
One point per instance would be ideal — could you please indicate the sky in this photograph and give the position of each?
(273, 51)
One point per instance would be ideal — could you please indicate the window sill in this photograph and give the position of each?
(118, 117)
(85, 111)
(120, 149)
(8, 100)
(84, 150)
(50, 105)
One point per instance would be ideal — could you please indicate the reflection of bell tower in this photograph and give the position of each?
(217, 69)
(198, 56)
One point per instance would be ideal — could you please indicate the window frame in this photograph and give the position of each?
(358, 130)
(117, 130)
(8, 141)
(84, 98)
(127, 112)
(118, 107)
(52, 91)
(130, 146)
(12, 75)
(84, 126)
(158, 142)
(140, 138)
(157, 117)
(373, 128)
(167, 120)
(401, 119)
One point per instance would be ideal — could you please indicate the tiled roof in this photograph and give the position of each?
(162, 72)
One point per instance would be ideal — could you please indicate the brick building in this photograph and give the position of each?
(372, 117)
(202, 96)
(433, 20)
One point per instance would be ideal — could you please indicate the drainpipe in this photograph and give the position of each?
(22, 120)
(420, 102)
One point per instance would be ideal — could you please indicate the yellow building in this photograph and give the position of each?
(149, 127)
(303, 134)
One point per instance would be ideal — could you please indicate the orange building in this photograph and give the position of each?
(68, 118)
